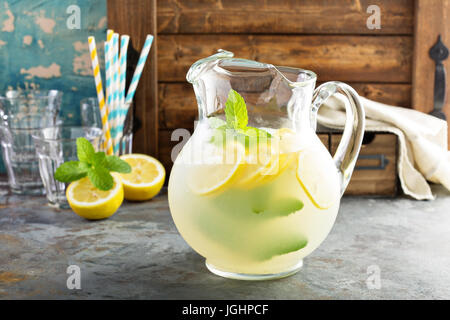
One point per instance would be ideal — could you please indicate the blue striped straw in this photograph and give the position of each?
(139, 68)
(123, 66)
(108, 70)
(115, 85)
(107, 73)
(123, 73)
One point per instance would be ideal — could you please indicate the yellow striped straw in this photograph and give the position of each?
(109, 35)
(101, 98)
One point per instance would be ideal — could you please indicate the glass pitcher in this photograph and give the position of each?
(254, 190)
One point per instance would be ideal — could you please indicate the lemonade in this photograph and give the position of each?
(254, 190)
(254, 207)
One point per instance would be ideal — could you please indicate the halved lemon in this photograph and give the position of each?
(318, 177)
(214, 167)
(91, 203)
(146, 178)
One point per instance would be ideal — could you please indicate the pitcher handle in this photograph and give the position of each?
(350, 144)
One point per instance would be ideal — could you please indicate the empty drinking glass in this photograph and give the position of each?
(90, 117)
(22, 114)
(56, 145)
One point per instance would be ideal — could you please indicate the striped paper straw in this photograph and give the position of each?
(123, 74)
(112, 94)
(108, 74)
(123, 65)
(116, 93)
(99, 89)
(140, 66)
(109, 35)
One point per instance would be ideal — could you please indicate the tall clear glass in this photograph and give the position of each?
(22, 114)
(90, 117)
(56, 145)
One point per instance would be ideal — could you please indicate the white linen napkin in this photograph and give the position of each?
(423, 153)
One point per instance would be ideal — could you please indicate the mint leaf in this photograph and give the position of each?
(280, 208)
(254, 132)
(84, 166)
(236, 111)
(70, 171)
(101, 178)
(285, 207)
(98, 159)
(237, 119)
(217, 123)
(95, 165)
(85, 150)
(284, 244)
(116, 164)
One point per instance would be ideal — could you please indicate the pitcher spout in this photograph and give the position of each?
(204, 64)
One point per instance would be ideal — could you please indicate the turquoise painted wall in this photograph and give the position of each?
(38, 49)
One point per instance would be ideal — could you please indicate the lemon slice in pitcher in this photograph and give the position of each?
(266, 160)
(318, 177)
(91, 203)
(213, 168)
(258, 159)
(277, 167)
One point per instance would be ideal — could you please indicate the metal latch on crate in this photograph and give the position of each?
(381, 157)
(439, 53)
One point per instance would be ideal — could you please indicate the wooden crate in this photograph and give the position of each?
(376, 169)
(328, 37)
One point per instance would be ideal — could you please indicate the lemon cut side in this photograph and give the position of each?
(91, 203)
(146, 178)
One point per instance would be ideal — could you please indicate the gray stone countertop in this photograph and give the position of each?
(138, 254)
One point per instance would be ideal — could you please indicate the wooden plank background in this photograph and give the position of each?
(328, 37)
(143, 22)
(348, 58)
(282, 16)
(432, 18)
(178, 107)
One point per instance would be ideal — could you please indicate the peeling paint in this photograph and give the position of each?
(38, 50)
(27, 40)
(102, 23)
(53, 71)
(82, 65)
(81, 46)
(8, 24)
(46, 24)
